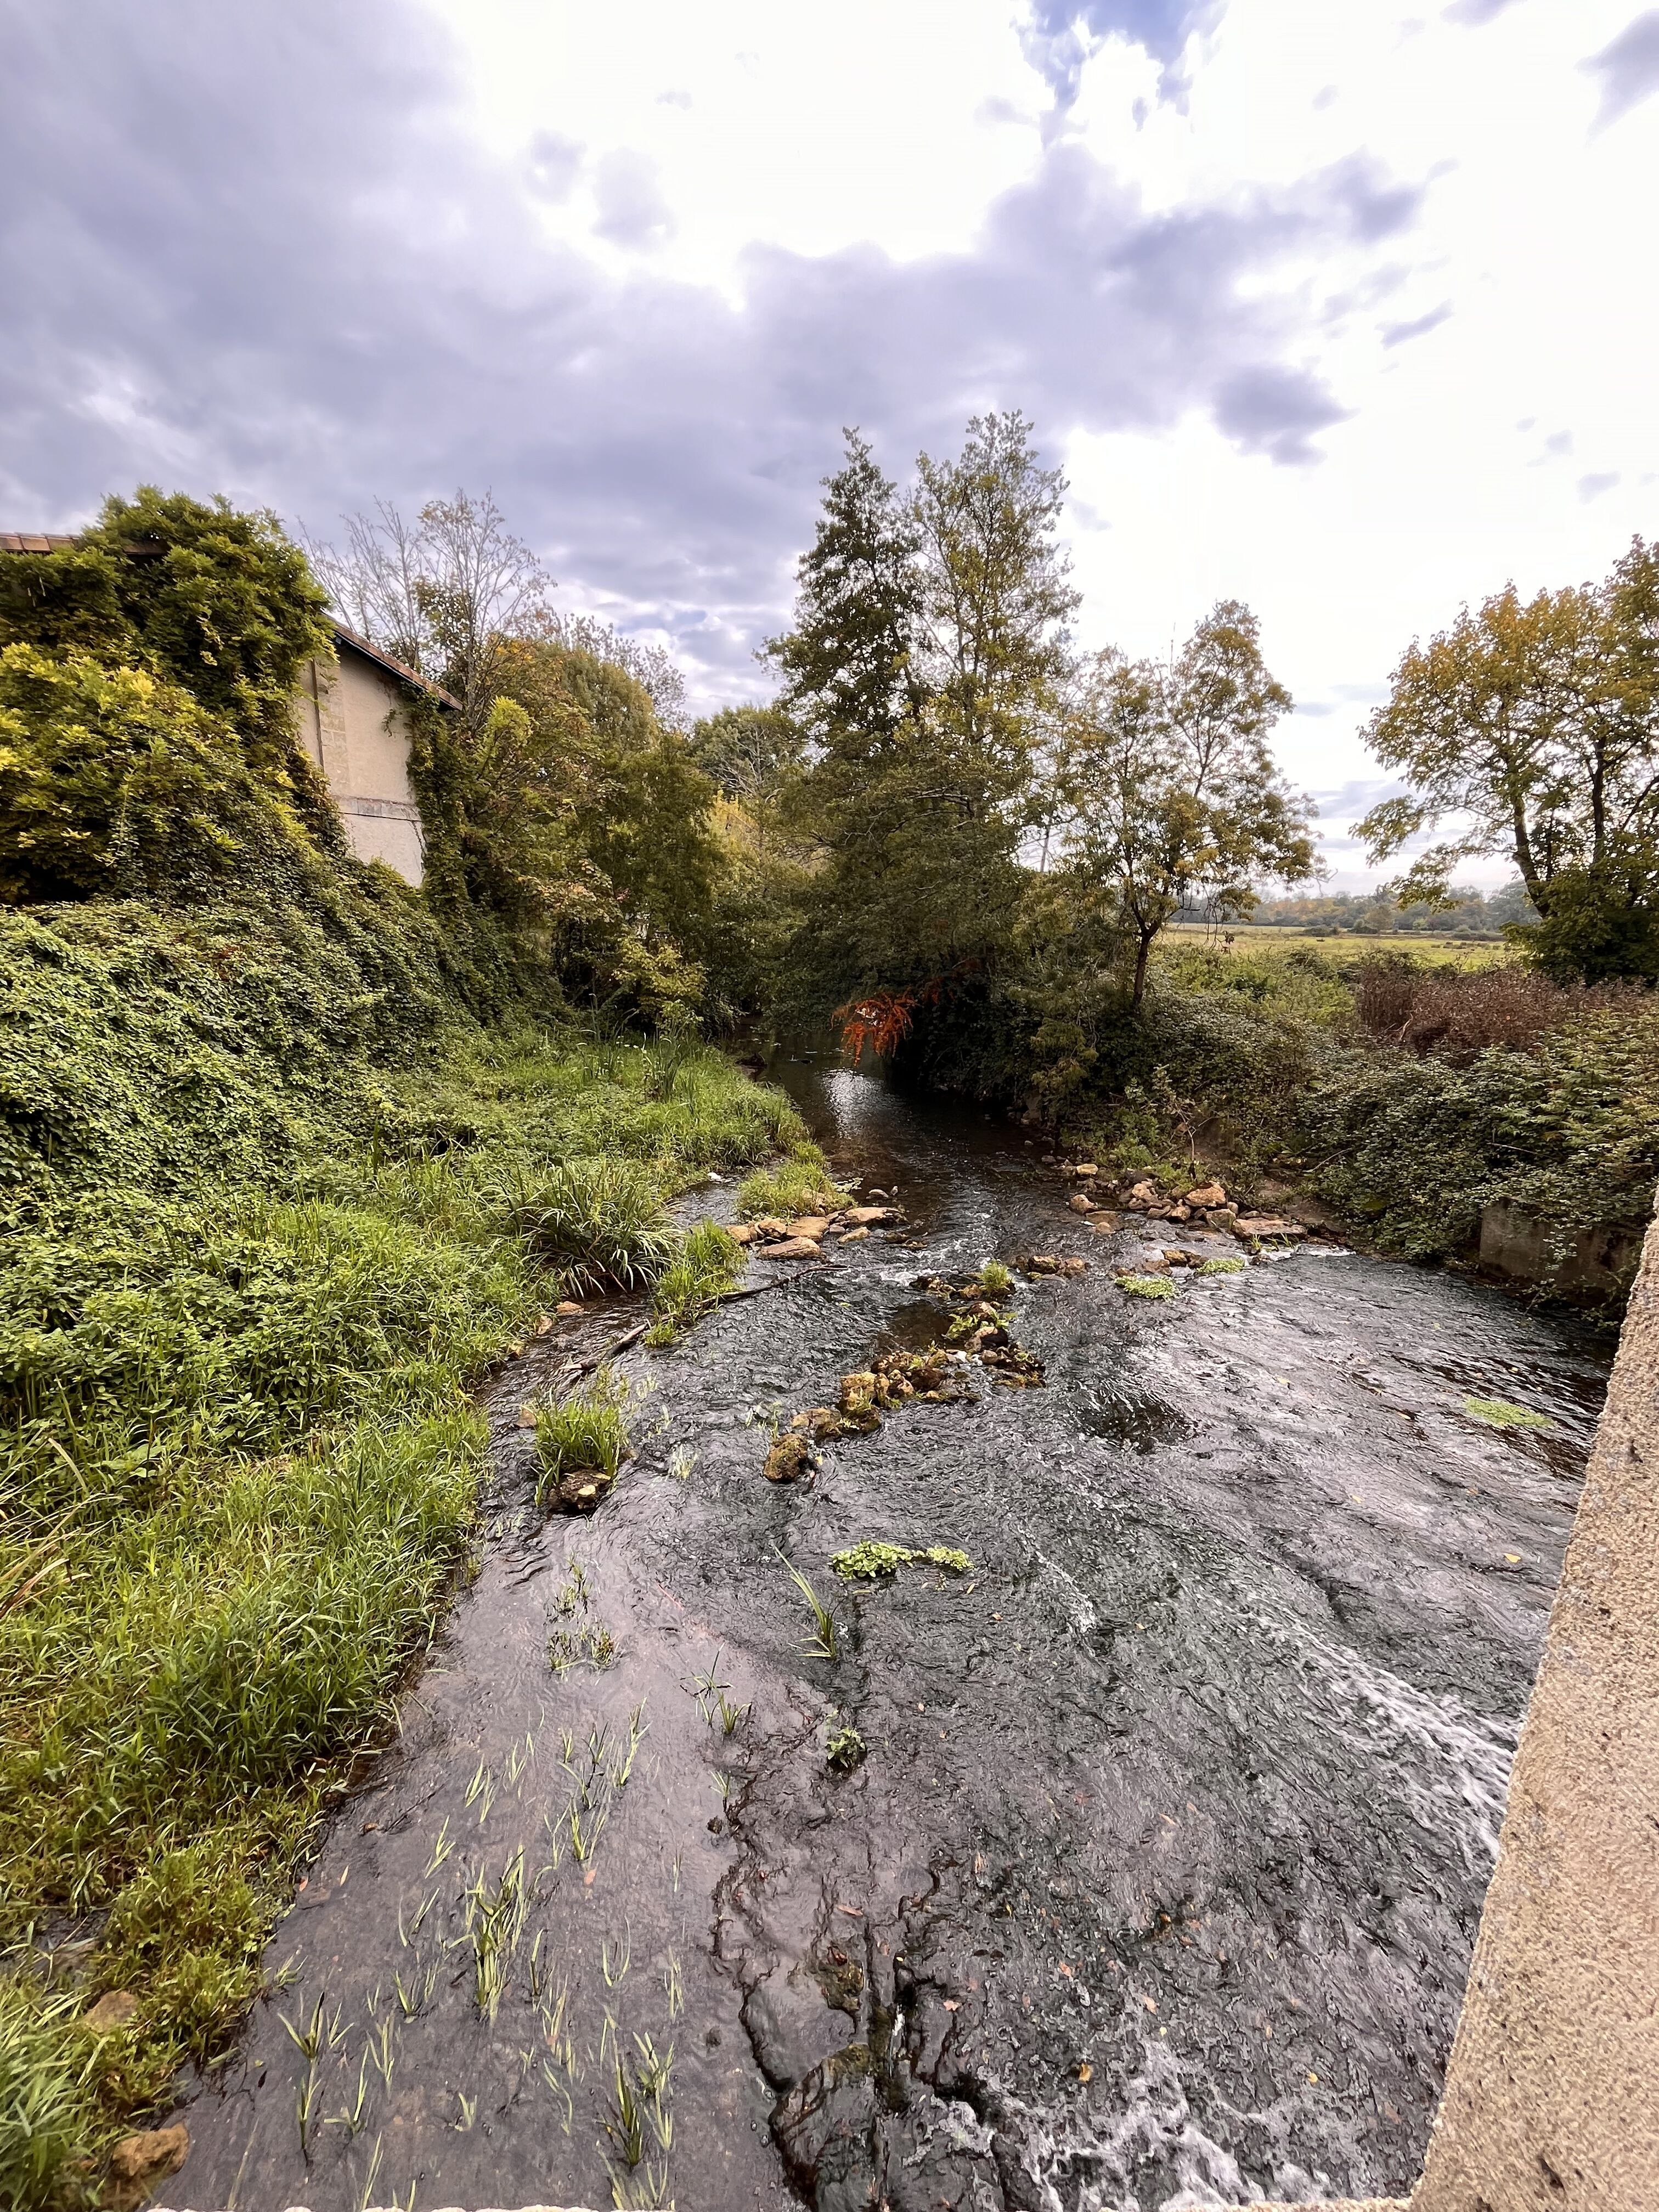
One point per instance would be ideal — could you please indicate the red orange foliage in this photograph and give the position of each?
(882, 1019)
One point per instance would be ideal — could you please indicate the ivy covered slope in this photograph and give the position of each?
(283, 1161)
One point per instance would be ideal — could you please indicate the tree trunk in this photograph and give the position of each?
(1142, 949)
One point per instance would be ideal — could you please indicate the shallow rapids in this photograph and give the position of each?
(1155, 1884)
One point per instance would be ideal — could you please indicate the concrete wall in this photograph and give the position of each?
(351, 722)
(1598, 1263)
(1552, 2095)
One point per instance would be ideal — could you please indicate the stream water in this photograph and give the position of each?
(1157, 1884)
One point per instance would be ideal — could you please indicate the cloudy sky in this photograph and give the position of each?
(1345, 309)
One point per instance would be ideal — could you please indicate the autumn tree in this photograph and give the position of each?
(1532, 729)
(1168, 791)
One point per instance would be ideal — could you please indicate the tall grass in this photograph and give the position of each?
(239, 1461)
(708, 1261)
(585, 1433)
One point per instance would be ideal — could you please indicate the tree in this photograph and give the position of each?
(1169, 792)
(747, 750)
(929, 637)
(995, 600)
(1535, 727)
(441, 593)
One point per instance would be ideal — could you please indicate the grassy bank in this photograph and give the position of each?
(266, 1210)
(1407, 1092)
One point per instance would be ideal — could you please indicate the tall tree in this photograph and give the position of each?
(1170, 790)
(1534, 725)
(442, 593)
(995, 597)
(929, 635)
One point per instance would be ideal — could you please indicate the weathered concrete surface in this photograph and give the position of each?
(1552, 2094)
(1597, 1264)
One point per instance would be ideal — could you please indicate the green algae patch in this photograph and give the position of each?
(1146, 1286)
(1499, 1413)
(871, 1562)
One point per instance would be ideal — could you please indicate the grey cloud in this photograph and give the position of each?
(1592, 487)
(251, 249)
(1275, 411)
(1628, 67)
(554, 164)
(1396, 334)
(632, 209)
(1476, 11)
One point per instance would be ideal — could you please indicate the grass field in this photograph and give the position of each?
(1342, 946)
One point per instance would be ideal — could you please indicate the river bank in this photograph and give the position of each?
(1159, 1871)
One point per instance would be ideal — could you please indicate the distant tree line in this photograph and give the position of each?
(1465, 911)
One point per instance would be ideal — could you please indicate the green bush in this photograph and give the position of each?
(1415, 1148)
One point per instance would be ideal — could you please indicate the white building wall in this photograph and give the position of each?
(352, 722)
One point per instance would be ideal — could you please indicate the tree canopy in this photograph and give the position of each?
(1532, 728)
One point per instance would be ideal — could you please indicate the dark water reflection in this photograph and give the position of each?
(1157, 1884)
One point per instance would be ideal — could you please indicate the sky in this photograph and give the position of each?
(1348, 310)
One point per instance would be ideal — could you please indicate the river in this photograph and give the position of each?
(1155, 1884)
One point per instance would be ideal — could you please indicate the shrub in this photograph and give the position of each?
(1415, 1148)
(1457, 1013)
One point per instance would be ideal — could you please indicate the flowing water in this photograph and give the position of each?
(1157, 1884)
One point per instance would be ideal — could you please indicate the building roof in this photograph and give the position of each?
(37, 541)
(349, 638)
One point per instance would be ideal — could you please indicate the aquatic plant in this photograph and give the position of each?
(1228, 1267)
(1499, 1413)
(709, 1260)
(872, 1561)
(1146, 1286)
(845, 1748)
(822, 1644)
(584, 1434)
(995, 1279)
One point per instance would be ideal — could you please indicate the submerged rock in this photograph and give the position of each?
(789, 1459)
(581, 1489)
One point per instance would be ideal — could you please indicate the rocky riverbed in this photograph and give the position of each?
(1073, 1788)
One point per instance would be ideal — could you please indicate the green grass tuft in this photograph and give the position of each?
(1229, 1267)
(587, 1432)
(1146, 1286)
(800, 1184)
(709, 1262)
(601, 1222)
